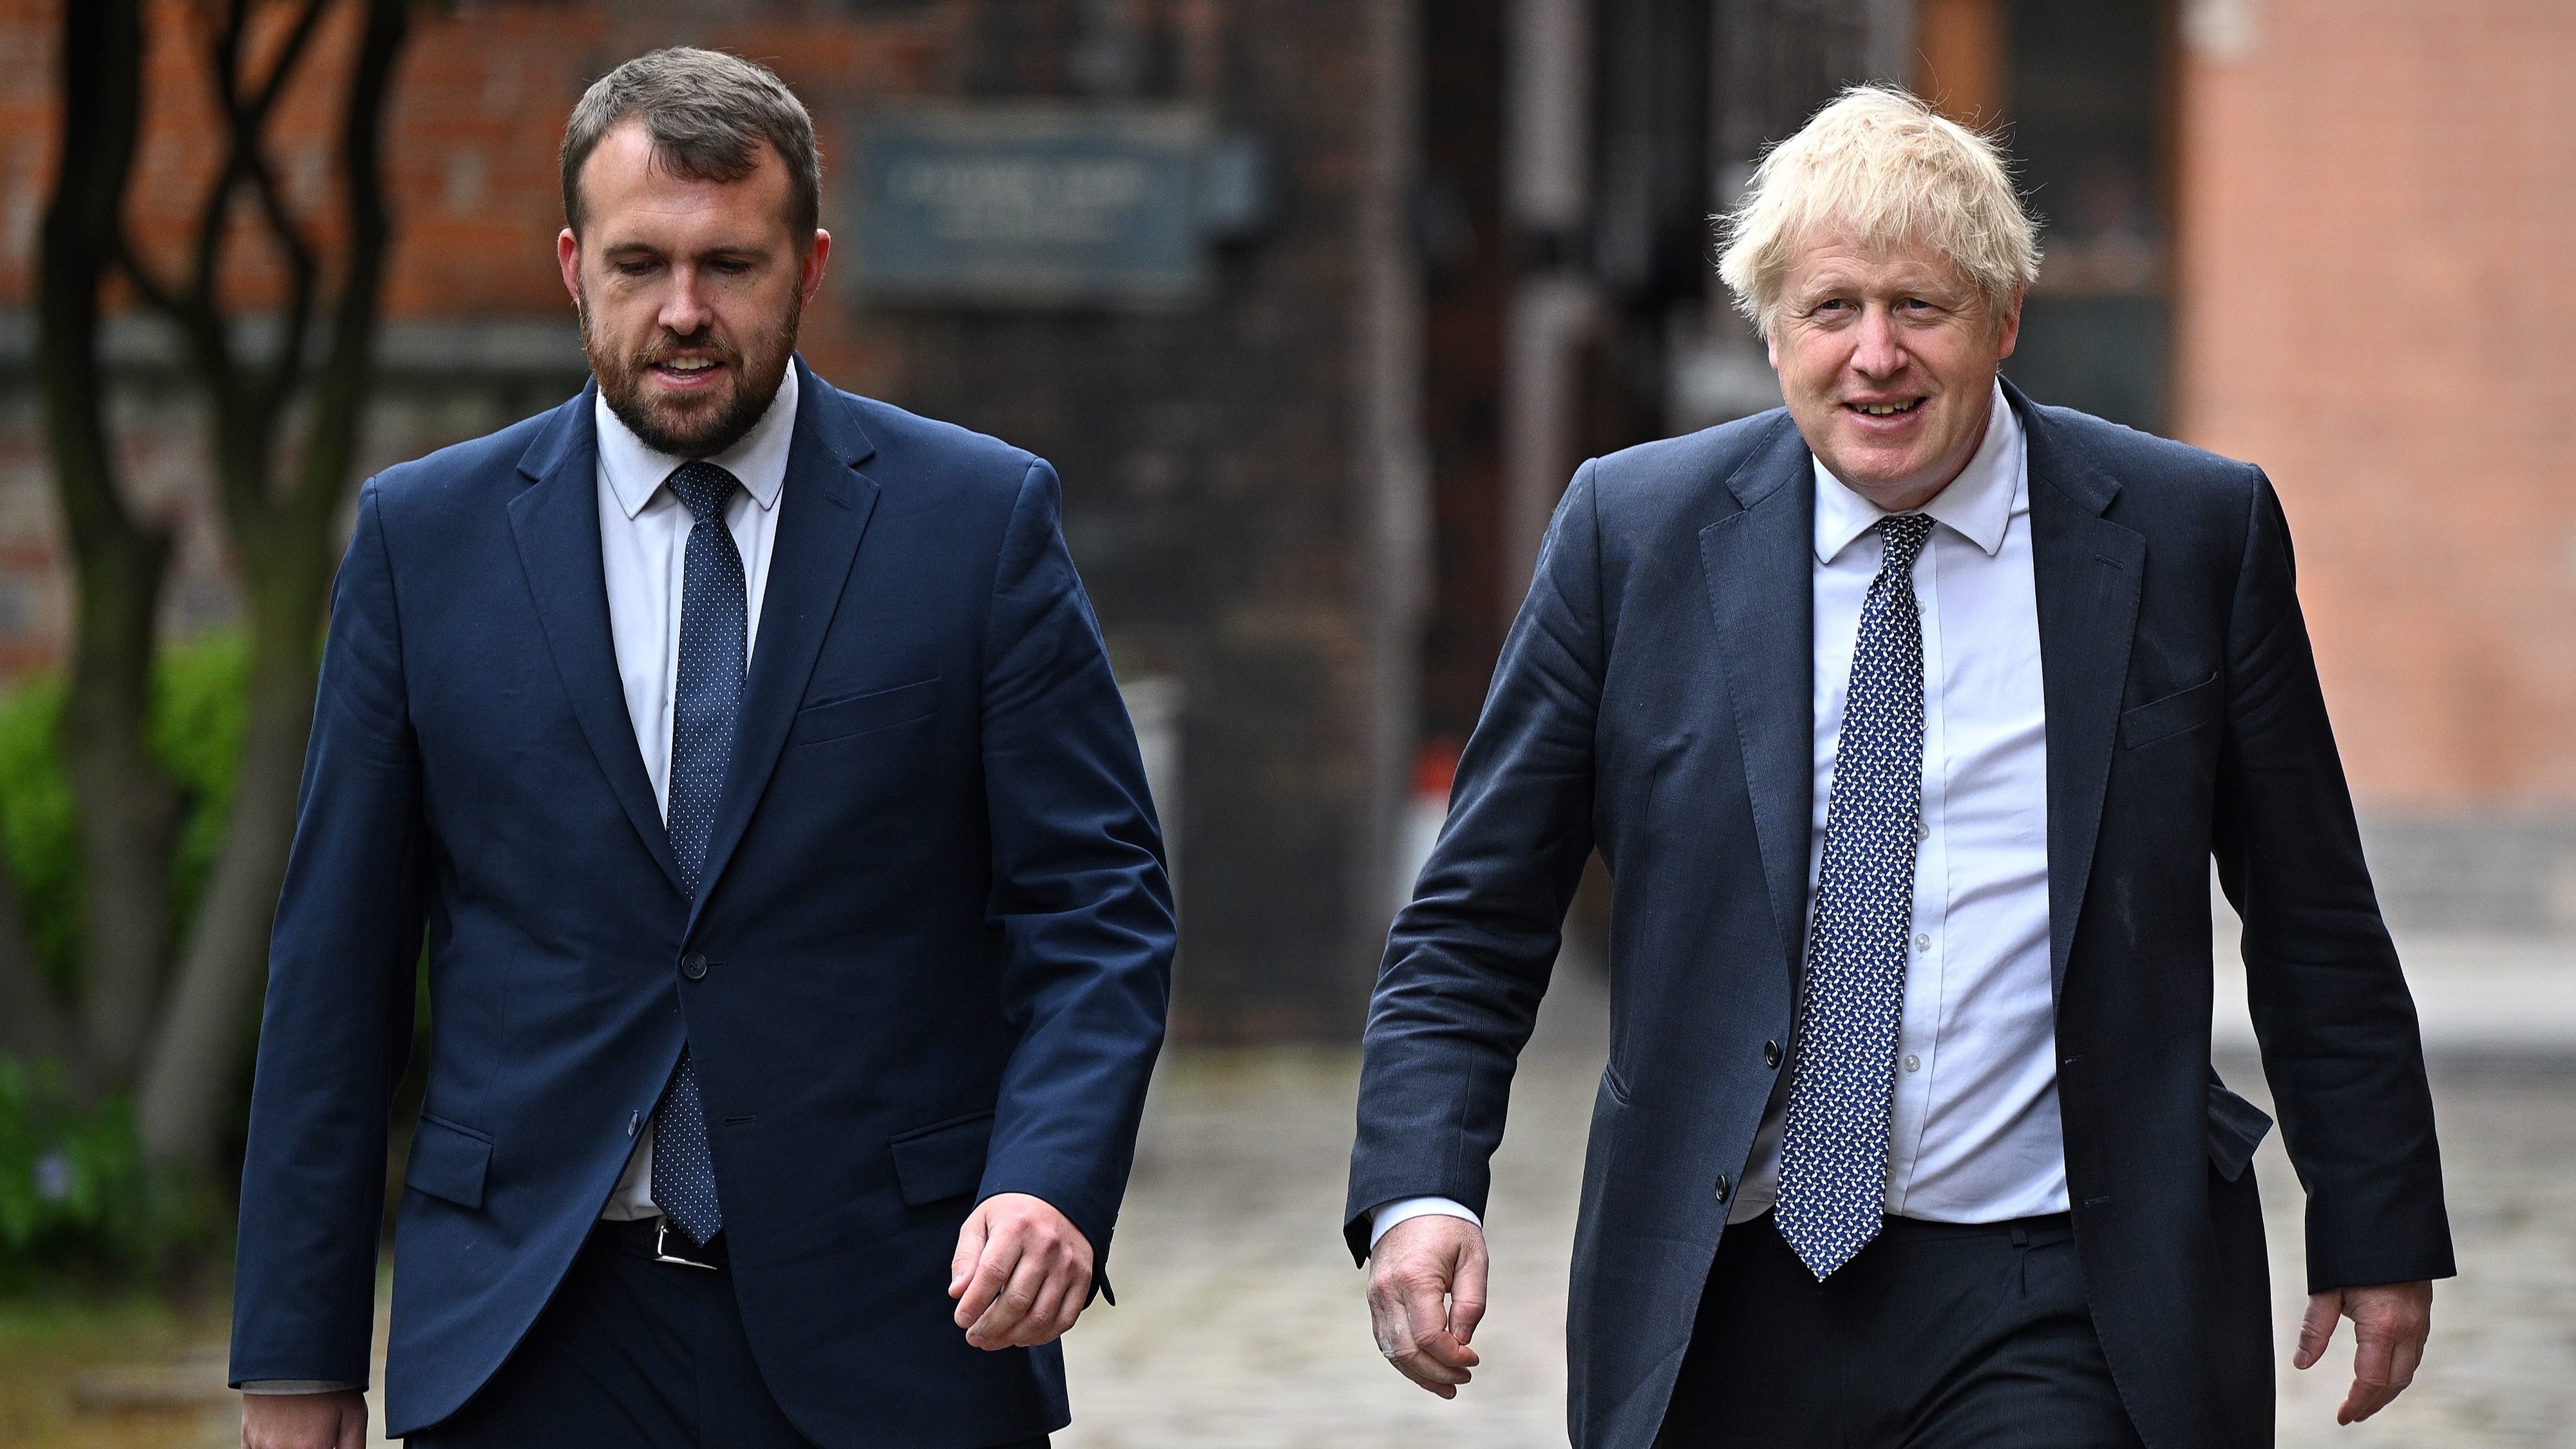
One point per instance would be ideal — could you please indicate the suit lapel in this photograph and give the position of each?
(823, 510)
(2087, 572)
(1762, 589)
(556, 523)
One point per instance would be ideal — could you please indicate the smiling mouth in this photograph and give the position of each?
(686, 369)
(1885, 409)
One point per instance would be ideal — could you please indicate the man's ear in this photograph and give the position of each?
(568, 259)
(810, 277)
(2008, 327)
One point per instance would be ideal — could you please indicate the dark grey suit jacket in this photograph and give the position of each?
(1654, 700)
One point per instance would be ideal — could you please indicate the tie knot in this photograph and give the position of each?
(1903, 536)
(704, 489)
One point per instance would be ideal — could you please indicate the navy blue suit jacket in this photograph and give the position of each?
(1654, 698)
(928, 964)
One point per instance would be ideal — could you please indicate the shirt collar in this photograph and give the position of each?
(1978, 505)
(758, 459)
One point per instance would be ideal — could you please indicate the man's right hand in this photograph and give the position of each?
(1426, 1292)
(305, 1421)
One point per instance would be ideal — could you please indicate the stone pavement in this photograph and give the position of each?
(2500, 1372)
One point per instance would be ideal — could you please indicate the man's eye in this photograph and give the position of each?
(633, 269)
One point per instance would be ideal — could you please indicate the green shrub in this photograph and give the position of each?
(199, 709)
(77, 1201)
(76, 1198)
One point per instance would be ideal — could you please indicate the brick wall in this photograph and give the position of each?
(2376, 201)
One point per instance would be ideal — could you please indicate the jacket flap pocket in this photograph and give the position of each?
(2164, 718)
(833, 719)
(942, 1160)
(2236, 1128)
(448, 1161)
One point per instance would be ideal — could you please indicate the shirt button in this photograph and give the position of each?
(1922, 940)
(1922, 829)
(1771, 1054)
(694, 966)
(1913, 1063)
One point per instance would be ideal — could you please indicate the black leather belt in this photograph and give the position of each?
(655, 1238)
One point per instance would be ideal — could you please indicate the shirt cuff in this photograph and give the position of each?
(298, 1386)
(1389, 1214)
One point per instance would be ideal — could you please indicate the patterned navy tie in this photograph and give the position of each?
(705, 698)
(1833, 1148)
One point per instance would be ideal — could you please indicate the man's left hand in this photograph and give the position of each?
(2389, 1325)
(1021, 1275)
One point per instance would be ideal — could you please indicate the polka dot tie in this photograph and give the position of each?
(706, 697)
(1833, 1147)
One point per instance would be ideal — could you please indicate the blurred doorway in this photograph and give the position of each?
(2081, 91)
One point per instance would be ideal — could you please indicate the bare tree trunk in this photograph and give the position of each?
(127, 808)
(31, 1024)
(188, 1079)
(282, 536)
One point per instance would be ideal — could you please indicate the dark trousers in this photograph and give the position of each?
(1936, 1335)
(630, 1354)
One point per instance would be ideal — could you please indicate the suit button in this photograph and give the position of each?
(1723, 1183)
(694, 966)
(1771, 1055)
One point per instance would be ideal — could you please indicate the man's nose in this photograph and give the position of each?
(1876, 351)
(684, 312)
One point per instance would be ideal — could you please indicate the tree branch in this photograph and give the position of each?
(330, 443)
(284, 67)
(304, 279)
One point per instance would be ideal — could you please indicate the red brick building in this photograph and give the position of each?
(2374, 200)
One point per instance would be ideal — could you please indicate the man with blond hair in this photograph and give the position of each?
(1908, 719)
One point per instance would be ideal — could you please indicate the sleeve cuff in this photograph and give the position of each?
(297, 1386)
(1389, 1214)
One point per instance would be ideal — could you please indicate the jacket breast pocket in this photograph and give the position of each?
(2236, 1128)
(942, 1160)
(2160, 719)
(448, 1161)
(858, 714)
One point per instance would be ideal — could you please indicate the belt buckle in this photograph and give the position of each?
(662, 1232)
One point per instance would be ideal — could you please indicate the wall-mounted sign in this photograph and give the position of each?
(1045, 205)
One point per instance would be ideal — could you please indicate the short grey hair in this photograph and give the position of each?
(1880, 164)
(706, 114)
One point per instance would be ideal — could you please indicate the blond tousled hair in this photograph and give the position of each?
(1881, 166)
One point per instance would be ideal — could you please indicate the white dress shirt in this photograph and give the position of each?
(643, 549)
(1973, 1132)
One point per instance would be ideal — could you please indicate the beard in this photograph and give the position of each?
(693, 428)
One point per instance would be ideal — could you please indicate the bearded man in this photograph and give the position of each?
(1909, 718)
(798, 935)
